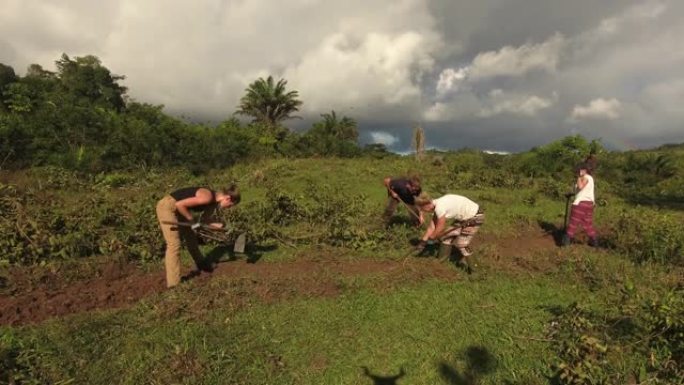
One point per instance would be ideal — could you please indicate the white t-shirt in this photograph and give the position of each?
(587, 193)
(455, 207)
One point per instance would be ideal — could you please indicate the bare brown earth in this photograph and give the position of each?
(122, 285)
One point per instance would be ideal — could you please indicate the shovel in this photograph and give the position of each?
(208, 232)
(567, 209)
(239, 246)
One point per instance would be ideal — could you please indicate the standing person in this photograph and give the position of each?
(406, 190)
(179, 206)
(582, 211)
(466, 216)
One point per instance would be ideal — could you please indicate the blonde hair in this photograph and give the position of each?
(422, 200)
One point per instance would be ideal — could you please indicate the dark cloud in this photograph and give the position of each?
(512, 72)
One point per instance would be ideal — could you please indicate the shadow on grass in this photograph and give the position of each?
(553, 230)
(479, 363)
(383, 380)
(253, 253)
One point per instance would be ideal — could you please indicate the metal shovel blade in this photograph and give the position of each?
(239, 246)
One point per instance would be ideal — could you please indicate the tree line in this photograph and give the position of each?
(81, 117)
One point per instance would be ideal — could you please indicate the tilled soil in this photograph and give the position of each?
(124, 285)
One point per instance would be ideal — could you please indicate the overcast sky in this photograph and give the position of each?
(493, 74)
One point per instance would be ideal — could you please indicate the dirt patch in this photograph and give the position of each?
(37, 297)
(530, 252)
(121, 286)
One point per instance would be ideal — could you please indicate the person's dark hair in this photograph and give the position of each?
(584, 166)
(414, 180)
(233, 192)
(591, 162)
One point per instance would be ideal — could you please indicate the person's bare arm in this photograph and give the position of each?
(440, 224)
(431, 229)
(202, 197)
(387, 182)
(581, 182)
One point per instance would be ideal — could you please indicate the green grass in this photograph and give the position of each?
(312, 341)
(489, 328)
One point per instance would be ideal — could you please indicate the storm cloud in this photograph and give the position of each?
(493, 74)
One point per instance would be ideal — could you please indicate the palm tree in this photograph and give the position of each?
(342, 129)
(268, 102)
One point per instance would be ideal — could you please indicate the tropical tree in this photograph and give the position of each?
(268, 102)
(344, 129)
(332, 136)
(90, 83)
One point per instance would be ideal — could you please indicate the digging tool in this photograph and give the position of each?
(215, 234)
(567, 210)
(190, 224)
(408, 208)
(239, 246)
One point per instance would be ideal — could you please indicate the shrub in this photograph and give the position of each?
(649, 329)
(648, 235)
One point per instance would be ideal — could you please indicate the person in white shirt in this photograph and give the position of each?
(466, 218)
(582, 212)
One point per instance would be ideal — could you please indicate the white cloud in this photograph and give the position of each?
(385, 63)
(383, 137)
(516, 61)
(525, 105)
(597, 109)
(450, 79)
(467, 106)
(639, 13)
(376, 68)
(508, 61)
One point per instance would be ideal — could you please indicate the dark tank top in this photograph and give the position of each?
(189, 192)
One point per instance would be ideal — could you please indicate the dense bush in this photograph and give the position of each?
(79, 117)
(648, 235)
(38, 226)
(650, 329)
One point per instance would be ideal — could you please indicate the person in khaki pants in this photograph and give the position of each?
(179, 206)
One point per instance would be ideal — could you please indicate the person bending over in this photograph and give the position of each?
(404, 190)
(179, 206)
(455, 221)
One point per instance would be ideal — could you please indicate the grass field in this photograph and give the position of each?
(314, 313)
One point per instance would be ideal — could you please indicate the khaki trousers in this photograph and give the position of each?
(174, 235)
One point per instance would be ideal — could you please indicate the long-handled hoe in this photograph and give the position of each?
(567, 210)
(220, 235)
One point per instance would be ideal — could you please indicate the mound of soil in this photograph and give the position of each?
(126, 287)
(120, 285)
